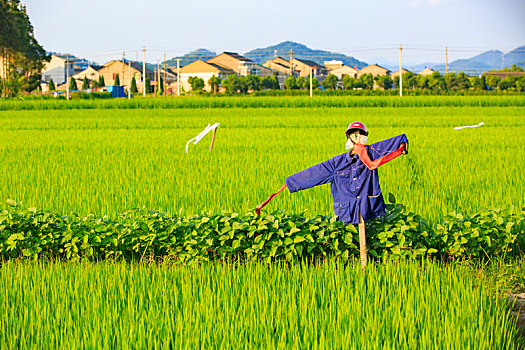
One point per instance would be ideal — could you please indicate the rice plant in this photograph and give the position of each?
(327, 305)
(107, 161)
(191, 102)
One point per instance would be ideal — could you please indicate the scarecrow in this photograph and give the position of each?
(353, 177)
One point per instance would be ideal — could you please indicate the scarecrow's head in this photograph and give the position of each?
(356, 133)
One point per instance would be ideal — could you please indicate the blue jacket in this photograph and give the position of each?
(355, 188)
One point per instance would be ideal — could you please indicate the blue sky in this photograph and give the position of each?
(101, 30)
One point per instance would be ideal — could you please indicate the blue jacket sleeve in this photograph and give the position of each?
(382, 148)
(317, 175)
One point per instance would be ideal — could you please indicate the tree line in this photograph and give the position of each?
(22, 57)
(234, 84)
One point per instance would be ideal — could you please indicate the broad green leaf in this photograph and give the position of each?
(391, 198)
(352, 228)
(12, 203)
(294, 230)
(299, 239)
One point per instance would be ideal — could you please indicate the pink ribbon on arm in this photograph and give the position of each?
(374, 164)
(263, 204)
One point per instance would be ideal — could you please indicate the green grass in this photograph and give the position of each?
(510, 100)
(500, 275)
(326, 305)
(104, 157)
(107, 161)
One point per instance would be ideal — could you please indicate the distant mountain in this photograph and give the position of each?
(199, 54)
(394, 66)
(516, 56)
(301, 52)
(478, 64)
(486, 61)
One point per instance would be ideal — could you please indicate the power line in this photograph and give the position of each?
(308, 54)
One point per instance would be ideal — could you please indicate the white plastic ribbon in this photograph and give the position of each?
(468, 126)
(202, 134)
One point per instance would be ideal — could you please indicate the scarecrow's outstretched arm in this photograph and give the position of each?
(374, 164)
(382, 148)
(316, 175)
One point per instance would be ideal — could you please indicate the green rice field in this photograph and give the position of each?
(106, 161)
(324, 306)
(104, 157)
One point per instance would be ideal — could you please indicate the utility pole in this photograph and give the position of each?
(400, 71)
(67, 77)
(502, 60)
(178, 76)
(311, 82)
(291, 56)
(144, 71)
(158, 78)
(123, 65)
(130, 78)
(446, 59)
(155, 81)
(164, 83)
(121, 82)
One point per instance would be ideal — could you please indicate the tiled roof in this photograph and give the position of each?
(237, 56)
(309, 63)
(220, 67)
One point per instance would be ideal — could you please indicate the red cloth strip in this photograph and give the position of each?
(374, 164)
(263, 204)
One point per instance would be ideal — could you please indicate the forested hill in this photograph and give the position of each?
(301, 52)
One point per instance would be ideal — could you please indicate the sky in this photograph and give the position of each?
(100, 30)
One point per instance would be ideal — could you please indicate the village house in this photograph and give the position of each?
(426, 71)
(344, 70)
(333, 64)
(300, 67)
(373, 69)
(169, 79)
(265, 71)
(396, 73)
(235, 62)
(91, 73)
(281, 65)
(56, 69)
(126, 70)
(305, 67)
(203, 70)
(268, 72)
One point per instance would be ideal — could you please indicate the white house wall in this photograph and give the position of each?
(204, 76)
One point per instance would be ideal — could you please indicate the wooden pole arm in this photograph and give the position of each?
(263, 204)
